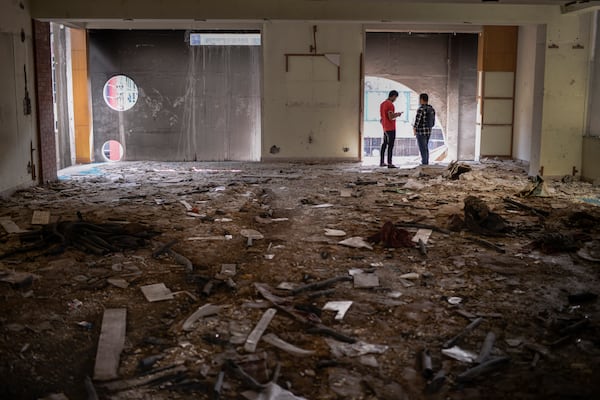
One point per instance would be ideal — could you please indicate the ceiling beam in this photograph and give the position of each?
(580, 6)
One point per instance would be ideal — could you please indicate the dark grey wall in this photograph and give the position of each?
(442, 65)
(199, 103)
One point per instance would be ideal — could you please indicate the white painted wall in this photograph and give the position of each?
(307, 113)
(565, 84)
(16, 129)
(565, 98)
(525, 79)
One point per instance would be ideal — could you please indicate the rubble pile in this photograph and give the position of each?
(296, 281)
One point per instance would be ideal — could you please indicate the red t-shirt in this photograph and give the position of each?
(384, 109)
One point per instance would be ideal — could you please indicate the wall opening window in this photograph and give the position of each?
(112, 150)
(120, 93)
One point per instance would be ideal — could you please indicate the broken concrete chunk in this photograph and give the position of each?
(413, 185)
(346, 193)
(17, 279)
(340, 306)
(228, 269)
(422, 234)
(10, 227)
(356, 242)
(110, 343)
(410, 276)
(274, 340)
(366, 281)
(203, 311)
(187, 205)
(334, 232)
(118, 282)
(340, 349)
(157, 292)
(254, 337)
(251, 235)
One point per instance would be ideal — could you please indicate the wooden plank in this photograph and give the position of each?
(110, 344)
(254, 337)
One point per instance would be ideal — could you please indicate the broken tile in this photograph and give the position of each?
(157, 292)
(340, 306)
(366, 281)
(422, 234)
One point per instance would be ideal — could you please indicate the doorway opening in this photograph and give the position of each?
(443, 65)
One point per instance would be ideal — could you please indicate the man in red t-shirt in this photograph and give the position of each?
(388, 120)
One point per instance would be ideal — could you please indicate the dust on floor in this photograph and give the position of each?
(518, 280)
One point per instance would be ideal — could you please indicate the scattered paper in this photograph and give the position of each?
(356, 242)
(340, 306)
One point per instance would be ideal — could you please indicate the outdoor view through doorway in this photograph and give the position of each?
(443, 65)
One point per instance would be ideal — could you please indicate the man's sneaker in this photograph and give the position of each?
(392, 166)
(383, 165)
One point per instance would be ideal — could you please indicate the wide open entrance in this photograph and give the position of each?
(162, 95)
(444, 65)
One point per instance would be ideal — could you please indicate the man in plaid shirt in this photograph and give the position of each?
(422, 127)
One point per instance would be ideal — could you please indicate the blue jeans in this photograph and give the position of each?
(423, 142)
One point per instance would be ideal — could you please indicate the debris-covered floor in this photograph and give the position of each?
(503, 299)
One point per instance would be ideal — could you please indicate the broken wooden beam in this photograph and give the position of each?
(320, 284)
(462, 334)
(526, 207)
(254, 337)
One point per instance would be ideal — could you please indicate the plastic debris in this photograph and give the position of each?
(454, 300)
(357, 349)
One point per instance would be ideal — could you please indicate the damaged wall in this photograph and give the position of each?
(565, 100)
(194, 103)
(442, 65)
(529, 93)
(590, 168)
(307, 112)
(17, 130)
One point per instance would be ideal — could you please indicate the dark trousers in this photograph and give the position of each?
(423, 142)
(389, 138)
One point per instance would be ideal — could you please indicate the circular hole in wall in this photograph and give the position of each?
(120, 93)
(112, 150)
